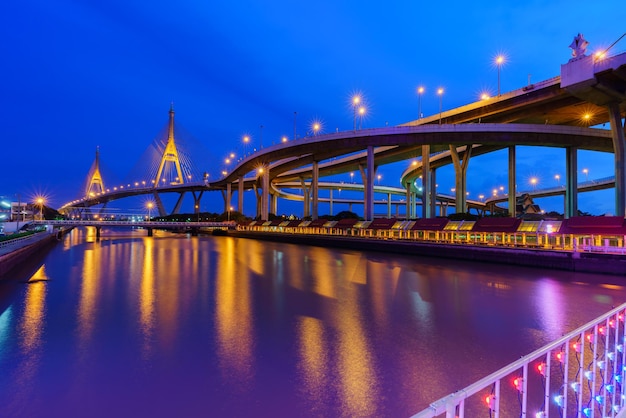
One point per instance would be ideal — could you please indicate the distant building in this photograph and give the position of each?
(525, 206)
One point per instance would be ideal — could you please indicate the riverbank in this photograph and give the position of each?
(539, 258)
(12, 254)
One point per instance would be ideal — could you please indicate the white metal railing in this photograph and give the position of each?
(579, 375)
(11, 244)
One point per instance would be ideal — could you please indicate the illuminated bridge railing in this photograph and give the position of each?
(145, 224)
(579, 375)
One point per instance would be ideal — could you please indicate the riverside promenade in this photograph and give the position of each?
(589, 262)
(13, 252)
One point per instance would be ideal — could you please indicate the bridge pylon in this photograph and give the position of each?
(170, 156)
(95, 183)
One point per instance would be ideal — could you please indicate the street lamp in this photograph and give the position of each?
(149, 205)
(355, 102)
(440, 93)
(229, 209)
(351, 177)
(420, 91)
(361, 113)
(557, 177)
(586, 173)
(316, 127)
(379, 177)
(40, 203)
(533, 181)
(499, 62)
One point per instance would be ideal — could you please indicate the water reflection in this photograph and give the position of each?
(146, 297)
(233, 315)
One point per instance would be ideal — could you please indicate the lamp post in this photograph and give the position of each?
(40, 203)
(499, 62)
(352, 177)
(533, 181)
(295, 114)
(420, 91)
(361, 113)
(149, 205)
(229, 209)
(586, 173)
(557, 177)
(440, 93)
(355, 102)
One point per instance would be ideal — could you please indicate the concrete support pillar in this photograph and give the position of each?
(258, 201)
(179, 203)
(619, 149)
(240, 195)
(274, 203)
(460, 174)
(426, 181)
(330, 200)
(571, 182)
(196, 202)
(512, 187)
(368, 184)
(229, 196)
(433, 192)
(306, 209)
(314, 189)
(388, 205)
(407, 199)
(159, 203)
(265, 193)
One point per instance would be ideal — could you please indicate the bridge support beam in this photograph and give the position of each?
(258, 201)
(512, 188)
(265, 193)
(433, 192)
(159, 203)
(179, 203)
(407, 199)
(426, 181)
(306, 199)
(240, 194)
(460, 175)
(229, 196)
(368, 184)
(388, 205)
(196, 202)
(619, 148)
(571, 182)
(330, 200)
(274, 203)
(314, 188)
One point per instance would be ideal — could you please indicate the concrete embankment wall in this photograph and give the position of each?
(541, 258)
(18, 256)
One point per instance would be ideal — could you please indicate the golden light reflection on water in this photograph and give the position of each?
(356, 368)
(31, 327)
(88, 295)
(322, 273)
(314, 362)
(147, 297)
(233, 317)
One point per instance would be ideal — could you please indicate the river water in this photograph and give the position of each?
(174, 325)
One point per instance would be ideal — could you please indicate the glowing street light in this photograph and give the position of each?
(316, 127)
(40, 203)
(534, 181)
(230, 208)
(586, 173)
(361, 113)
(557, 177)
(149, 205)
(284, 139)
(379, 177)
(440, 93)
(352, 177)
(499, 62)
(356, 100)
(420, 91)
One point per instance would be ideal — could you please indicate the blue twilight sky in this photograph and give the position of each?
(81, 74)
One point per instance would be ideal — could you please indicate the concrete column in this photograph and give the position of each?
(274, 203)
(368, 184)
(240, 195)
(306, 210)
(314, 188)
(433, 192)
(426, 181)
(265, 193)
(619, 149)
(388, 205)
(571, 182)
(257, 196)
(229, 196)
(407, 199)
(460, 174)
(512, 188)
(330, 201)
